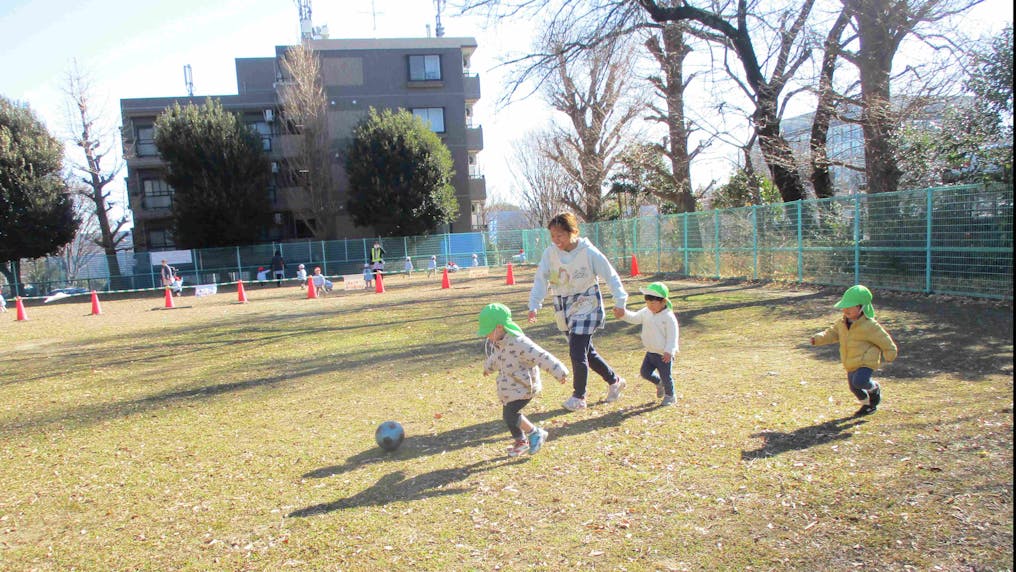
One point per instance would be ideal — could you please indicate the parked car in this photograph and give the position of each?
(70, 291)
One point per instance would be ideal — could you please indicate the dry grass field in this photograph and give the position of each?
(226, 436)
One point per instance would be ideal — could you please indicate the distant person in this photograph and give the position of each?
(521, 256)
(321, 284)
(301, 275)
(377, 254)
(3, 302)
(377, 268)
(262, 275)
(278, 268)
(660, 337)
(409, 267)
(166, 272)
(432, 266)
(476, 260)
(452, 267)
(368, 276)
(574, 267)
(517, 361)
(177, 285)
(864, 343)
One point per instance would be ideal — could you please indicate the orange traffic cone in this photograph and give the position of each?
(169, 298)
(634, 265)
(21, 309)
(379, 286)
(96, 308)
(510, 279)
(311, 289)
(445, 283)
(241, 294)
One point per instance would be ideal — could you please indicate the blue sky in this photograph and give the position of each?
(139, 50)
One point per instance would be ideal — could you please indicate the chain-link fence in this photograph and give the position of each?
(949, 240)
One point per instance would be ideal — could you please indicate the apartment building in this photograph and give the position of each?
(428, 76)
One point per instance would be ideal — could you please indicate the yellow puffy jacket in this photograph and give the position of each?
(864, 344)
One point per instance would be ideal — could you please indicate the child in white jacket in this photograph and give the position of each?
(660, 336)
(518, 360)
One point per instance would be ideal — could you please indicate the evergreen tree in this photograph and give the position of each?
(36, 212)
(219, 176)
(399, 175)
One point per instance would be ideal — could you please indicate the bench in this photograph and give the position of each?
(353, 282)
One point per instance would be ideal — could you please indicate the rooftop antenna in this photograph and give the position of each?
(373, 15)
(188, 80)
(438, 28)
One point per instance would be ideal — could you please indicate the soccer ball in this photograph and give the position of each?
(389, 435)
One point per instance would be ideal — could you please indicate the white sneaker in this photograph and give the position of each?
(574, 403)
(614, 390)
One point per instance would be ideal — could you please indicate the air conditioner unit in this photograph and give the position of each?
(275, 166)
(269, 115)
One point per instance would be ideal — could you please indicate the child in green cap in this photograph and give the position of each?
(864, 343)
(518, 360)
(660, 333)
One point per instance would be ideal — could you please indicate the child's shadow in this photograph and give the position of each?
(774, 442)
(396, 487)
(472, 436)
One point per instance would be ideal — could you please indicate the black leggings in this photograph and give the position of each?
(583, 358)
(512, 413)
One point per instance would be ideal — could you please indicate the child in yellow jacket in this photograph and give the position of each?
(864, 343)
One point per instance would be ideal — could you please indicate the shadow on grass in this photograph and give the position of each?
(396, 487)
(775, 442)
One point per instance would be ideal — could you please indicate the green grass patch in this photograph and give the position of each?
(221, 436)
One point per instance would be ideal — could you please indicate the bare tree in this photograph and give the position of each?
(592, 92)
(77, 254)
(882, 25)
(669, 49)
(97, 143)
(304, 110)
(541, 181)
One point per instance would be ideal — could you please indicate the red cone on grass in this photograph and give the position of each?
(241, 294)
(510, 279)
(379, 285)
(21, 309)
(96, 308)
(445, 283)
(311, 289)
(169, 298)
(634, 265)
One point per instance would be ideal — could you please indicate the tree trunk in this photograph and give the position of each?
(675, 50)
(821, 179)
(776, 150)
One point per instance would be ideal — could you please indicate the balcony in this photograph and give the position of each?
(471, 87)
(477, 188)
(474, 139)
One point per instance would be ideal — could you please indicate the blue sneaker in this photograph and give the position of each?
(536, 440)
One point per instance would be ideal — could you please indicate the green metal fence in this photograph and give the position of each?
(948, 240)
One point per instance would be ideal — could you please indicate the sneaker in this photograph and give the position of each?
(575, 403)
(518, 448)
(614, 390)
(668, 400)
(536, 440)
(875, 397)
(864, 410)
(660, 392)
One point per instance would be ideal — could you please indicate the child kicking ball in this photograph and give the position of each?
(518, 360)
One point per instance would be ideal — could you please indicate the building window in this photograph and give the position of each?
(432, 116)
(425, 68)
(156, 194)
(146, 142)
(477, 220)
(160, 239)
(264, 131)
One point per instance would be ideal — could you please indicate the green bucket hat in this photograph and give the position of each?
(857, 296)
(494, 315)
(660, 290)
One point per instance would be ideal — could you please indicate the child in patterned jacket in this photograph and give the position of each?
(518, 360)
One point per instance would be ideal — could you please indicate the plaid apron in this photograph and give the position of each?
(583, 311)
